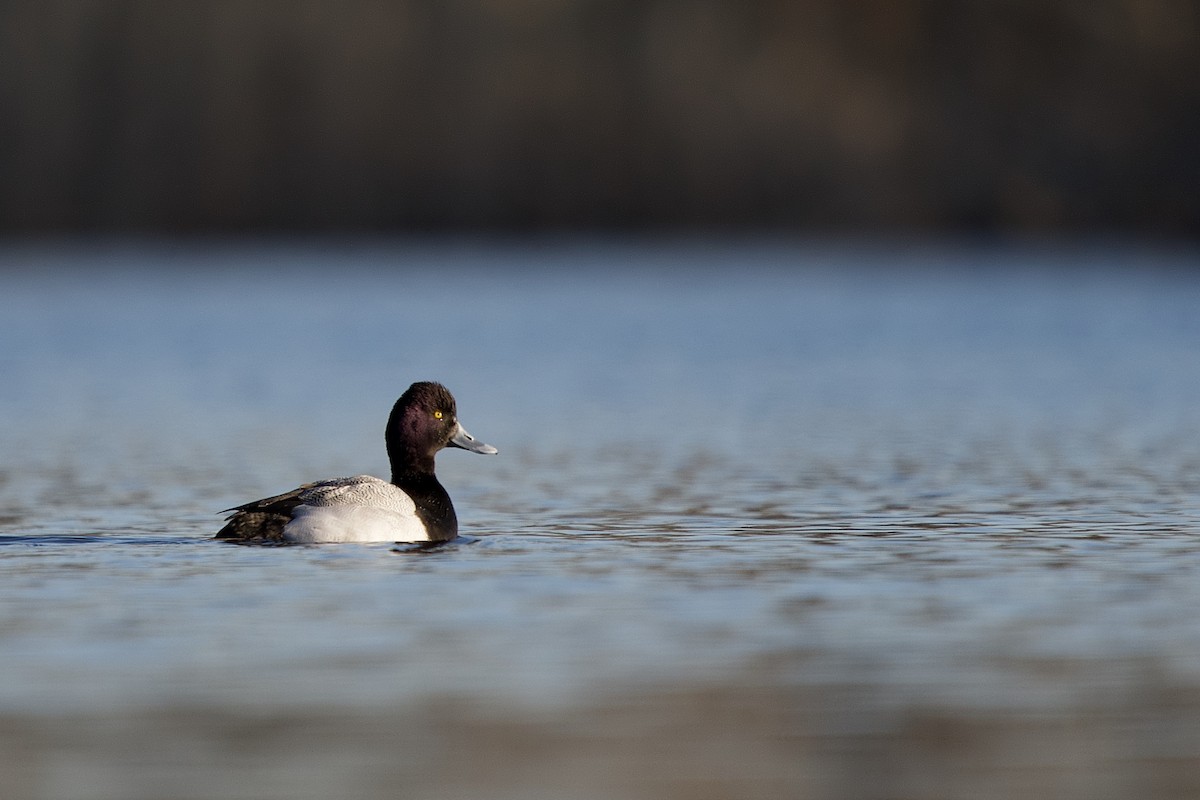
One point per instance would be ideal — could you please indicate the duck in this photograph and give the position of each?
(411, 507)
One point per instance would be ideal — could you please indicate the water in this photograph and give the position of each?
(768, 520)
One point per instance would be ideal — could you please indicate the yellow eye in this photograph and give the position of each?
(437, 415)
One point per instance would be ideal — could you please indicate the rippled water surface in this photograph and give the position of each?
(767, 521)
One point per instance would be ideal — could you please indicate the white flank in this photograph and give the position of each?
(358, 509)
(353, 523)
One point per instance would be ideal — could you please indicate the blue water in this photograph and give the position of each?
(768, 520)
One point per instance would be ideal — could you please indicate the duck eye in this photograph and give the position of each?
(437, 415)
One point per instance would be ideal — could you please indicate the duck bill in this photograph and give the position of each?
(466, 441)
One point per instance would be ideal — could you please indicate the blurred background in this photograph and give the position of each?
(843, 358)
(874, 116)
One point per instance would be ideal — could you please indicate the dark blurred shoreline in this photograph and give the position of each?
(913, 118)
(555, 255)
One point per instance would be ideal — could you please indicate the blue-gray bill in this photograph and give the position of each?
(468, 442)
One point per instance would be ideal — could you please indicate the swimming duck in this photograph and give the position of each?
(412, 507)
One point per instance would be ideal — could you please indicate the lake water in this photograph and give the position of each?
(769, 520)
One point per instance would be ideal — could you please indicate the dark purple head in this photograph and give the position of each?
(423, 421)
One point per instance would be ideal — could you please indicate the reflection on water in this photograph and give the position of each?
(767, 522)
